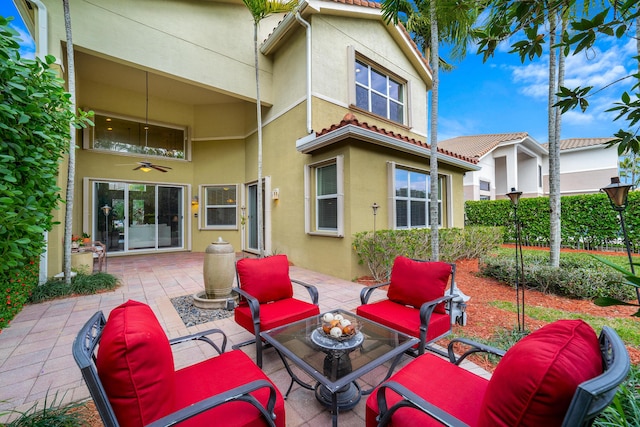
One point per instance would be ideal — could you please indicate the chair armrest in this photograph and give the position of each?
(474, 347)
(240, 393)
(366, 292)
(426, 309)
(411, 400)
(254, 304)
(203, 336)
(313, 291)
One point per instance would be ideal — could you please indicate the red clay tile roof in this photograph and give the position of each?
(371, 4)
(350, 119)
(476, 146)
(568, 144)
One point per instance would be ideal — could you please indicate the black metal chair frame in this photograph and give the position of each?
(254, 307)
(426, 310)
(84, 353)
(591, 397)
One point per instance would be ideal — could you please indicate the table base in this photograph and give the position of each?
(346, 397)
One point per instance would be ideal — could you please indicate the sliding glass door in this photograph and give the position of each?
(139, 216)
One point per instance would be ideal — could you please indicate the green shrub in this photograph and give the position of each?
(16, 291)
(624, 411)
(587, 220)
(81, 284)
(35, 116)
(52, 414)
(378, 252)
(579, 276)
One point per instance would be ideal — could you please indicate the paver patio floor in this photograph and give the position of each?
(35, 350)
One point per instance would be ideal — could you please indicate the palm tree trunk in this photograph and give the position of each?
(259, 118)
(433, 201)
(71, 170)
(554, 153)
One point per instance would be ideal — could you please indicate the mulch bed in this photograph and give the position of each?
(484, 319)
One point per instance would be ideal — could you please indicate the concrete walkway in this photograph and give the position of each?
(35, 350)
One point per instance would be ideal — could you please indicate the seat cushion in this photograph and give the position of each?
(135, 365)
(266, 279)
(404, 318)
(220, 374)
(449, 387)
(276, 314)
(416, 282)
(535, 381)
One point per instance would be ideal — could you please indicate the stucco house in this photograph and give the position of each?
(172, 84)
(517, 160)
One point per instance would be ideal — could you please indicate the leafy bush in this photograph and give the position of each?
(16, 291)
(81, 284)
(588, 222)
(579, 275)
(35, 117)
(52, 414)
(378, 251)
(624, 411)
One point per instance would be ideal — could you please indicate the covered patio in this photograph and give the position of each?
(35, 350)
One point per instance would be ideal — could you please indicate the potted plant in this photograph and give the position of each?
(75, 241)
(86, 238)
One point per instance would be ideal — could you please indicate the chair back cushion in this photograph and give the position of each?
(135, 365)
(416, 282)
(266, 279)
(536, 379)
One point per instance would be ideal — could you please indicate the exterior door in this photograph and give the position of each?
(252, 217)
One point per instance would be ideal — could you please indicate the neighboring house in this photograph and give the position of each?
(507, 160)
(586, 165)
(173, 83)
(516, 160)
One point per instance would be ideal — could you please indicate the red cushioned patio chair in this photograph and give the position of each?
(415, 301)
(133, 382)
(560, 375)
(266, 298)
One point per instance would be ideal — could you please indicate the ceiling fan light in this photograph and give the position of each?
(145, 169)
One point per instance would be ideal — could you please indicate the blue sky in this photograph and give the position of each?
(503, 95)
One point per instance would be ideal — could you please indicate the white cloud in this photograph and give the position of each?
(27, 45)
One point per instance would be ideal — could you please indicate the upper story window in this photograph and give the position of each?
(379, 93)
(412, 199)
(485, 186)
(121, 135)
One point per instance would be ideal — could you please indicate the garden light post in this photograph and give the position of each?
(617, 193)
(374, 207)
(514, 196)
(106, 209)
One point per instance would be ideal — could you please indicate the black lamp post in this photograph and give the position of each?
(514, 196)
(106, 209)
(618, 193)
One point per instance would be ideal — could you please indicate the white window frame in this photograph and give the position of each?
(311, 198)
(206, 206)
(355, 59)
(88, 136)
(392, 168)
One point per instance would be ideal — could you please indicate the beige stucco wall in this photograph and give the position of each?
(162, 35)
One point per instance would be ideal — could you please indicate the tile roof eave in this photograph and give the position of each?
(362, 131)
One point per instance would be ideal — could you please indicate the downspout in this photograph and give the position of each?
(42, 44)
(42, 49)
(308, 28)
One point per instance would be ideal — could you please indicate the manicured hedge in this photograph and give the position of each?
(378, 252)
(587, 221)
(579, 276)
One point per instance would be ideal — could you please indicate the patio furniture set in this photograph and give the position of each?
(561, 374)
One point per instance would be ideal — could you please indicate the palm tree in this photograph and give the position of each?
(259, 10)
(432, 22)
(630, 168)
(71, 170)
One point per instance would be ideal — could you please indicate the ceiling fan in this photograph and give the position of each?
(146, 166)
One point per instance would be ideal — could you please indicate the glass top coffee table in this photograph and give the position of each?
(336, 363)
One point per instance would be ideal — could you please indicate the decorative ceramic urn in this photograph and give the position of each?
(219, 268)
